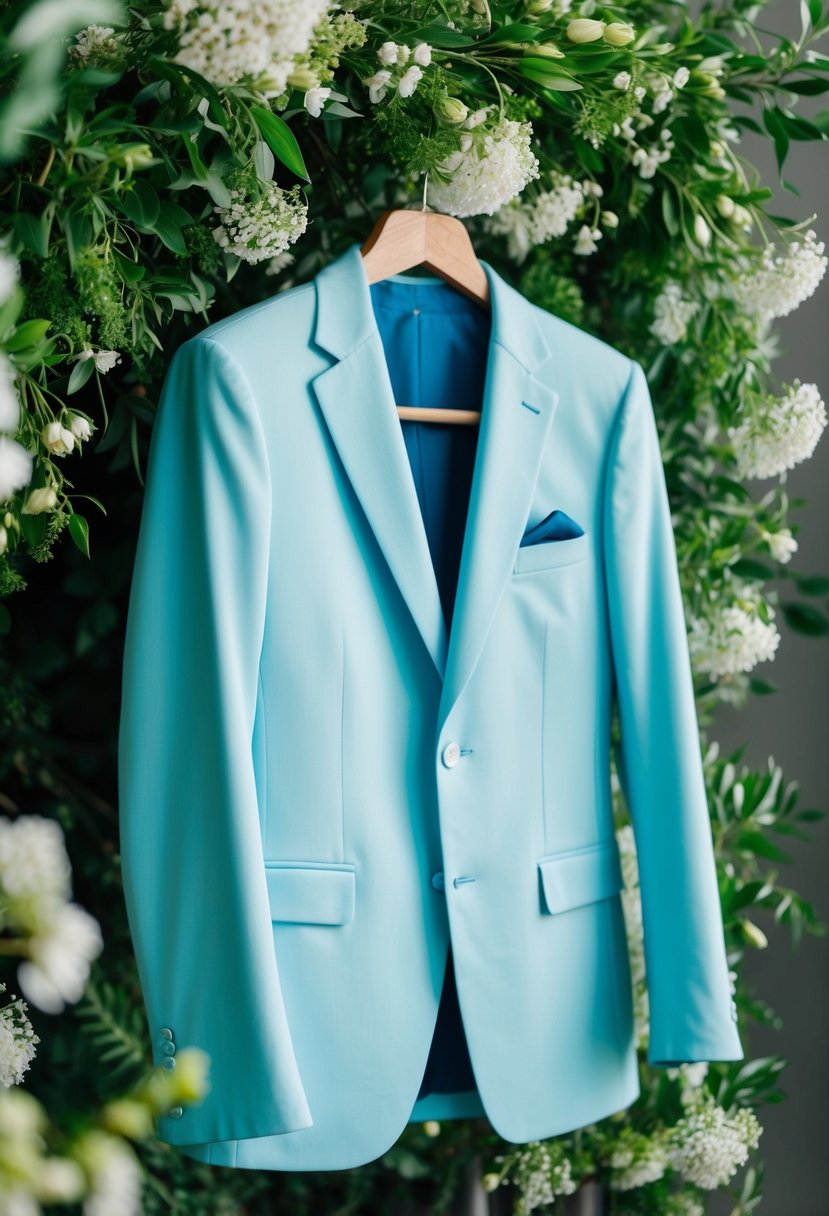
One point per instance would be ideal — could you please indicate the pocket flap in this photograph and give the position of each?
(311, 893)
(580, 876)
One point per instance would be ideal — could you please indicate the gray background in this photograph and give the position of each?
(791, 726)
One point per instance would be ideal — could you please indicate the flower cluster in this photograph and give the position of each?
(780, 433)
(733, 635)
(491, 166)
(531, 222)
(256, 40)
(781, 281)
(61, 939)
(707, 1146)
(672, 312)
(263, 224)
(637, 1159)
(96, 46)
(402, 70)
(17, 1041)
(540, 1170)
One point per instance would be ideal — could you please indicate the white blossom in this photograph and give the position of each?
(423, 54)
(279, 263)
(680, 77)
(232, 40)
(17, 1041)
(732, 637)
(9, 401)
(9, 275)
(707, 1146)
(540, 1172)
(116, 1176)
(377, 85)
(40, 500)
(672, 313)
(781, 433)
(94, 46)
(586, 240)
(387, 53)
(782, 281)
(57, 439)
(648, 160)
(489, 173)
(547, 215)
(35, 874)
(315, 99)
(60, 955)
(621, 80)
(80, 427)
(408, 81)
(104, 360)
(781, 544)
(637, 1160)
(257, 228)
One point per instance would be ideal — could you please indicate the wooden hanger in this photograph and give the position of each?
(402, 239)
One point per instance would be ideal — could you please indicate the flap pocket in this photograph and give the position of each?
(311, 892)
(580, 876)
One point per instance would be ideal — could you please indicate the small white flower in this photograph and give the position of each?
(80, 427)
(9, 401)
(104, 360)
(702, 233)
(781, 433)
(403, 54)
(476, 118)
(9, 275)
(622, 80)
(59, 959)
(17, 1042)
(672, 313)
(57, 439)
(586, 240)
(15, 467)
(732, 637)
(408, 81)
(707, 1146)
(315, 99)
(257, 227)
(680, 77)
(610, 219)
(639, 92)
(780, 282)
(387, 53)
(279, 263)
(782, 544)
(377, 85)
(488, 175)
(423, 54)
(40, 500)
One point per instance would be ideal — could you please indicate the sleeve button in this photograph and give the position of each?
(175, 1112)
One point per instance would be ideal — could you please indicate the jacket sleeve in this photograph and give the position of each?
(659, 758)
(191, 847)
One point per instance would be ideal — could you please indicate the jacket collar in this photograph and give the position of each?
(357, 401)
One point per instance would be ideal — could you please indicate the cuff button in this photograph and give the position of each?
(175, 1112)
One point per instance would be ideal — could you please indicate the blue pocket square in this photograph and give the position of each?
(558, 525)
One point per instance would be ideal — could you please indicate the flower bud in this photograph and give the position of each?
(431, 1127)
(4, 540)
(128, 1118)
(303, 78)
(545, 50)
(490, 1182)
(742, 216)
(610, 219)
(754, 935)
(452, 110)
(40, 500)
(725, 206)
(134, 156)
(702, 233)
(585, 29)
(539, 6)
(619, 33)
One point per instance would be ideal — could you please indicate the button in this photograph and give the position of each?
(166, 1032)
(168, 1048)
(175, 1112)
(169, 1063)
(451, 754)
(438, 880)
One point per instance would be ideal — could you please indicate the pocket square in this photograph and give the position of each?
(558, 525)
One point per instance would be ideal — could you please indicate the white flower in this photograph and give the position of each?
(279, 263)
(702, 233)
(680, 77)
(662, 100)
(490, 174)
(732, 637)
(15, 467)
(57, 439)
(781, 433)
(621, 80)
(782, 544)
(583, 29)
(637, 1160)
(639, 92)
(59, 958)
(781, 282)
(423, 54)
(476, 118)
(9, 401)
(707, 1146)
(530, 223)
(671, 314)
(610, 219)
(17, 1042)
(104, 360)
(586, 240)
(649, 159)
(35, 873)
(40, 500)
(257, 228)
(388, 53)
(116, 1175)
(403, 53)
(315, 99)
(93, 46)
(377, 85)
(80, 427)
(232, 40)
(9, 275)
(408, 81)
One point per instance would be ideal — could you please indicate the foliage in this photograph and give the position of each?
(644, 225)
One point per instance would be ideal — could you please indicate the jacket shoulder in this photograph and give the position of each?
(286, 318)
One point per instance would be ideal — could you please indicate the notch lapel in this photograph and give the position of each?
(356, 398)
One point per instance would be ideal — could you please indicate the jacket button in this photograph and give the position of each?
(175, 1112)
(451, 754)
(169, 1063)
(166, 1032)
(438, 880)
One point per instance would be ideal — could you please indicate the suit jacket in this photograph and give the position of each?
(364, 756)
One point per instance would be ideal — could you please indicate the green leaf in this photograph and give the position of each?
(761, 846)
(806, 619)
(762, 687)
(546, 73)
(438, 35)
(669, 213)
(776, 127)
(28, 334)
(33, 232)
(79, 530)
(141, 204)
(281, 140)
(748, 567)
(808, 87)
(812, 584)
(131, 272)
(81, 372)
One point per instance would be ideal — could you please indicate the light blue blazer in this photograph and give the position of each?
(366, 823)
